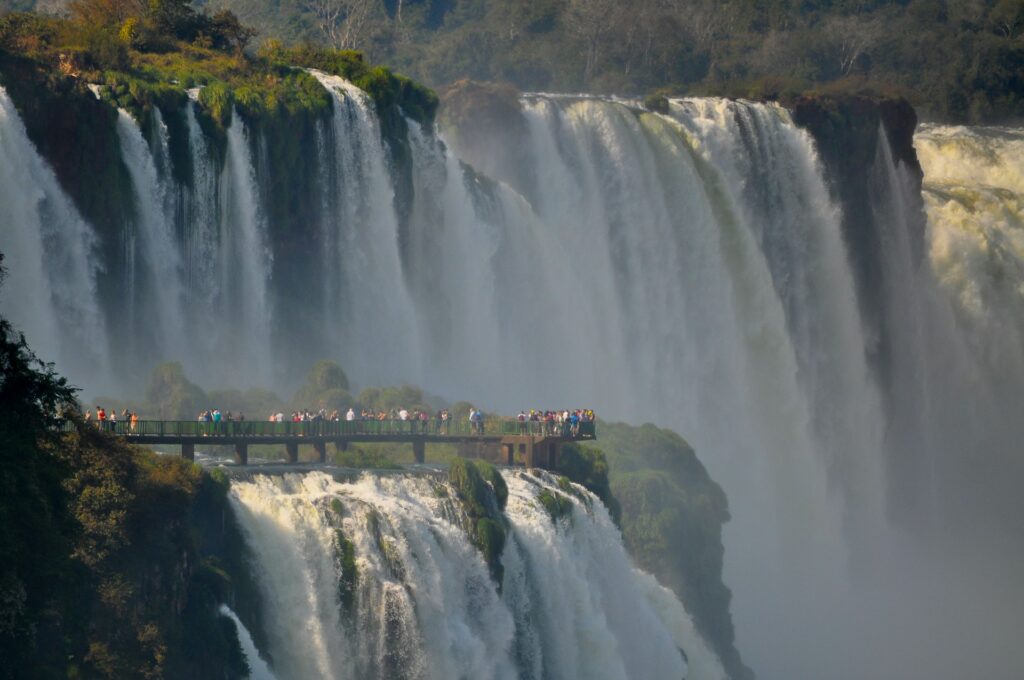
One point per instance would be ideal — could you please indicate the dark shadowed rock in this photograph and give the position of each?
(846, 131)
(479, 119)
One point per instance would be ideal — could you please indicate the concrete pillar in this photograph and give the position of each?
(530, 453)
(553, 456)
(292, 450)
(510, 454)
(188, 451)
(419, 450)
(242, 454)
(321, 451)
(341, 445)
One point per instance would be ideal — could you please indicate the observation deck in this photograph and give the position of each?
(505, 441)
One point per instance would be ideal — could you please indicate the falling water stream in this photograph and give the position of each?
(685, 268)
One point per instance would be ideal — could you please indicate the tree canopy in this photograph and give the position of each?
(954, 59)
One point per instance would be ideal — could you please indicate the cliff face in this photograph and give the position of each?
(483, 121)
(671, 513)
(846, 131)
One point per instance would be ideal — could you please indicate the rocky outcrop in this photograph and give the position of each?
(846, 131)
(482, 121)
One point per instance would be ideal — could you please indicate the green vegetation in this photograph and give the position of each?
(953, 59)
(491, 475)
(345, 549)
(349, 578)
(145, 55)
(326, 387)
(672, 514)
(102, 575)
(588, 467)
(170, 395)
(477, 485)
(374, 456)
(556, 504)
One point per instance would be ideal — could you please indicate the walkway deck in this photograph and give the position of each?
(532, 444)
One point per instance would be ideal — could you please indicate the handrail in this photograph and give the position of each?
(175, 429)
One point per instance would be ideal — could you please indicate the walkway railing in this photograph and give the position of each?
(494, 427)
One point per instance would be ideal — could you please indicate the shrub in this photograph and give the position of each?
(217, 99)
(104, 49)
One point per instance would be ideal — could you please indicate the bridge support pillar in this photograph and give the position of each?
(321, 451)
(341, 445)
(529, 453)
(292, 451)
(552, 462)
(242, 454)
(419, 451)
(188, 451)
(510, 454)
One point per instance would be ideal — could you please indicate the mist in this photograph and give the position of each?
(687, 268)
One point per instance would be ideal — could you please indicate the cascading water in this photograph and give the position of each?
(258, 668)
(685, 268)
(364, 269)
(50, 290)
(156, 299)
(974, 191)
(197, 253)
(200, 230)
(415, 599)
(244, 265)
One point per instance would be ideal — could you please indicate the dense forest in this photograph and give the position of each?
(959, 61)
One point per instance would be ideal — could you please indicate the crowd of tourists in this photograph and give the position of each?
(566, 422)
(108, 419)
(215, 416)
(554, 422)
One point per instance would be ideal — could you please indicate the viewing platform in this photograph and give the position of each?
(505, 441)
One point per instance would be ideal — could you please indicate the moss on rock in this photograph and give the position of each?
(349, 578)
(477, 486)
(556, 504)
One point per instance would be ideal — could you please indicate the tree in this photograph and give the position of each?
(172, 17)
(342, 22)
(171, 396)
(591, 21)
(34, 522)
(228, 31)
(106, 12)
(851, 37)
(1007, 17)
(326, 387)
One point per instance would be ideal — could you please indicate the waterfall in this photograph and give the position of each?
(974, 184)
(244, 265)
(422, 603)
(156, 295)
(50, 257)
(201, 231)
(685, 268)
(376, 338)
(258, 668)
